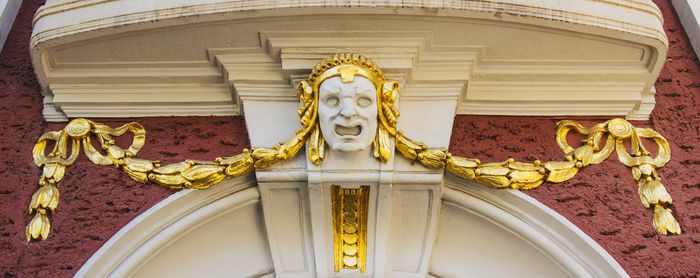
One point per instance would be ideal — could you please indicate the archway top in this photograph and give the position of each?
(507, 217)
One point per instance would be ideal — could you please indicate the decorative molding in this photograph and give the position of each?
(557, 98)
(126, 90)
(120, 14)
(350, 208)
(141, 100)
(77, 48)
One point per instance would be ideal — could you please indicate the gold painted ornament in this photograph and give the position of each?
(67, 144)
(617, 134)
(350, 212)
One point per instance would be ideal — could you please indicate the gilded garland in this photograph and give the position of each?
(599, 143)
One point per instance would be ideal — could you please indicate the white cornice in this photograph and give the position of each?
(642, 18)
(505, 57)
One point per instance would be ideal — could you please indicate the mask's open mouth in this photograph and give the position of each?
(348, 130)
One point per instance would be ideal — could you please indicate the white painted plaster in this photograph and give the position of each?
(8, 13)
(502, 57)
(689, 13)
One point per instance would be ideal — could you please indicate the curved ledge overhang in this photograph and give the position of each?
(639, 17)
(98, 58)
(499, 220)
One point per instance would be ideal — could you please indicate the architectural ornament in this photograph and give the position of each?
(347, 104)
(349, 207)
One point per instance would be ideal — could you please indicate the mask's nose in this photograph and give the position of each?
(347, 108)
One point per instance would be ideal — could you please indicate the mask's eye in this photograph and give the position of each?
(332, 101)
(364, 101)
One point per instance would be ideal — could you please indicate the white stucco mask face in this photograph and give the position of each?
(347, 113)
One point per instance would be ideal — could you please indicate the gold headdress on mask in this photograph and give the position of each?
(347, 66)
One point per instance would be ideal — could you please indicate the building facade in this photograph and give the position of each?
(103, 72)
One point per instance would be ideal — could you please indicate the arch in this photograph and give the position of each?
(480, 230)
(510, 228)
(191, 228)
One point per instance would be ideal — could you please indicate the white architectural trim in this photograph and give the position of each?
(8, 13)
(689, 14)
(604, 14)
(101, 58)
(536, 223)
(126, 251)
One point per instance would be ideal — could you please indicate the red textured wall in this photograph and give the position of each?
(602, 199)
(97, 201)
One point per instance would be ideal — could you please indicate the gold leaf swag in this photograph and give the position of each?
(204, 174)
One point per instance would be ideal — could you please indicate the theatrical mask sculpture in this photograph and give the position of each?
(346, 105)
(347, 113)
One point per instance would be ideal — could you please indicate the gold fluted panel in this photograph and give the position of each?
(350, 210)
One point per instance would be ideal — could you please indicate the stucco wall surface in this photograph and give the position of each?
(97, 201)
